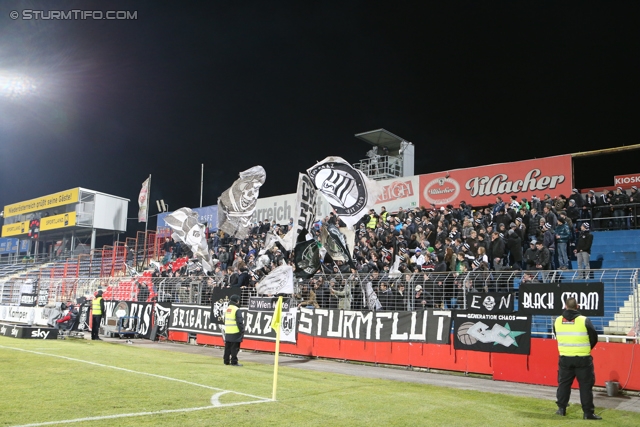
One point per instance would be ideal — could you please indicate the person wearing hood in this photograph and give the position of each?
(576, 338)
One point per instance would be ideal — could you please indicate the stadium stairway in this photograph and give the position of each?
(611, 251)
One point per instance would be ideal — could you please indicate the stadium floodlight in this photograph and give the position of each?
(162, 206)
(16, 85)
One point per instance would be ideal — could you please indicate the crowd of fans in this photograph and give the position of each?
(439, 253)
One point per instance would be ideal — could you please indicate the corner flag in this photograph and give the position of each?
(277, 316)
(275, 325)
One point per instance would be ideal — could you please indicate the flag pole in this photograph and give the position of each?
(201, 182)
(146, 223)
(276, 318)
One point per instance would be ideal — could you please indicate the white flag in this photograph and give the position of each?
(143, 201)
(279, 281)
(348, 191)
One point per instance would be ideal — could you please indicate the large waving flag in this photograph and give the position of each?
(187, 229)
(348, 190)
(237, 204)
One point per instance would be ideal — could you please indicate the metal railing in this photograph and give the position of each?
(406, 292)
(612, 217)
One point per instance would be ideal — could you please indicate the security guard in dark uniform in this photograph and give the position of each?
(234, 331)
(97, 311)
(576, 337)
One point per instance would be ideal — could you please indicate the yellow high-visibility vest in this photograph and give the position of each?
(230, 324)
(373, 221)
(572, 336)
(95, 306)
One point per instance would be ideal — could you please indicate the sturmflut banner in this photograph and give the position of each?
(431, 326)
(493, 333)
(550, 298)
(140, 315)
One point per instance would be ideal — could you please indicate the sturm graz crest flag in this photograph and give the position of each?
(307, 258)
(347, 190)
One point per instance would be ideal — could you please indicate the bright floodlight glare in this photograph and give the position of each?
(15, 85)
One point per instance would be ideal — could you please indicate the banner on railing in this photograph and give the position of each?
(9, 245)
(493, 333)
(490, 302)
(162, 313)
(28, 299)
(550, 298)
(140, 314)
(219, 303)
(198, 319)
(431, 326)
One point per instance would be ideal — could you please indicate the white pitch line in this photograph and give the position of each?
(140, 414)
(134, 372)
(215, 402)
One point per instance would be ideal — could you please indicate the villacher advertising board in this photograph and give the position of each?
(550, 298)
(480, 186)
(493, 333)
(431, 326)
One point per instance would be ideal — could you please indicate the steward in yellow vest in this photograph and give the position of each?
(234, 331)
(576, 337)
(97, 311)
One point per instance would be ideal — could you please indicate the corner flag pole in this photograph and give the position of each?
(275, 325)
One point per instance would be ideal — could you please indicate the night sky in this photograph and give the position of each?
(103, 104)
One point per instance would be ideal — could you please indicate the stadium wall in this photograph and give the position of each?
(613, 361)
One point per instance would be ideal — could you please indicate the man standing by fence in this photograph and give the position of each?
(234, 331)
(583, 250)
(97, 310)
(576, 337)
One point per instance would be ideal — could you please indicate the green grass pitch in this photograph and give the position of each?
(106, 384)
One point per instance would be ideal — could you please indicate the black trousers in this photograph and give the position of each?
(580, 367)
(231, 353)
(95, 327)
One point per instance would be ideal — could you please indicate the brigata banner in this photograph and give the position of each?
(493, 333)
(490, 302)
(431, 326)
(480, 186)
(197, 319)
(550, 298)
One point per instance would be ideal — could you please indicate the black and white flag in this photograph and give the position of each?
(279, 281)
(237, 204)
(219, 302)
(307, 258)
(371, 298)
(335, 243)
(347, 190)
(187, 229)
(305, 209)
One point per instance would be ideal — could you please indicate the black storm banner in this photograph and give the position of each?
(431, 326)
(550, 298)
(493, 333)
(490, 302)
